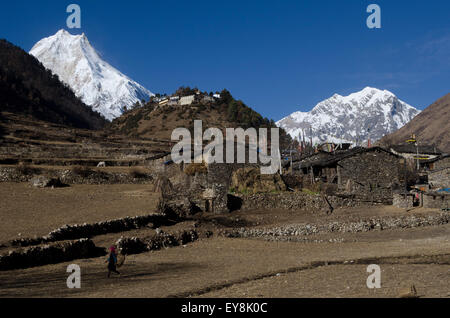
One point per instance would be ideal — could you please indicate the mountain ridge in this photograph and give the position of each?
(27, 88)
(431, 126)
(369, 113)
(93, 80)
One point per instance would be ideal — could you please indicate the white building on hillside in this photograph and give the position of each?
(187, 100)
(164, 102)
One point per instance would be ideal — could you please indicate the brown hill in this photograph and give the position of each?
(153, 121)
(432, 126)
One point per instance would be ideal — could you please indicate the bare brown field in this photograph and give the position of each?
(219, 266)
(33, 211)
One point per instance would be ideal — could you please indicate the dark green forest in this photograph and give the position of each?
(28, 88)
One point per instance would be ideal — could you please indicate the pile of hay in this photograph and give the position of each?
(250, 181)
(193, 168)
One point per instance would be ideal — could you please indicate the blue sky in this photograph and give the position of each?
(277, 56)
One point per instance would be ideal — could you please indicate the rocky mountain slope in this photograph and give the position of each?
(370, 113)
(432, 126)
(97, 83)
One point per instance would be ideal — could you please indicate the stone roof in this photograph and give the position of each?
(437, 158)
(325, 159)
(411, 148)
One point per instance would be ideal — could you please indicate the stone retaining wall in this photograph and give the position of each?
(136, 245)
(71, 232)
(343, 227)
(11, 174)
(50, 254)
(296, 201)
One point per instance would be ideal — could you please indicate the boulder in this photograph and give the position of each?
(45, 182)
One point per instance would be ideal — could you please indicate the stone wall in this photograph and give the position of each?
(371, 175)
(443, 163)
(302, 230)
(135, 245)
(295, 201)
(439, 178)
(66, 176)
(436, 200)
(50, 254)
(77, 231)
(400, 201)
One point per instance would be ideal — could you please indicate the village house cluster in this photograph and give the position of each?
(405, 175)
(176, 100)
(361, 175)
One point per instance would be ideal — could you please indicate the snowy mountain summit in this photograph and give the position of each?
(93, 80)
(370, 113)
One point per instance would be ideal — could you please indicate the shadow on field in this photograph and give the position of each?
(226, 221)
(51, 282)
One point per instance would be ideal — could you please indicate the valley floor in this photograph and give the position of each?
(30, 211)
(221, 266)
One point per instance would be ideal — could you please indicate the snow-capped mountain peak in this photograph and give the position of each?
(369, 113)
(93, 80)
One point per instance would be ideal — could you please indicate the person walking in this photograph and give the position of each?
(112, 261)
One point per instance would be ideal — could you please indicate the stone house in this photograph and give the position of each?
(436, 200)
(369, 174)
(204, 185)
(163, 102)
(186, 100)
(439, 172)
(207, 99)
(439, 178)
